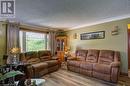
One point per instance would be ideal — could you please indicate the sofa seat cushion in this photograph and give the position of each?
(106, 69)
(74, 63)
(39, 66)
(86, 65)
(52, 63)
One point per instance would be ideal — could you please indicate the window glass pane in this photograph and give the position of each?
(35, 41)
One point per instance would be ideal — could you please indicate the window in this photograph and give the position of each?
(33, 41)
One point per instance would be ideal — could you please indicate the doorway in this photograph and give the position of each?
(129, 46)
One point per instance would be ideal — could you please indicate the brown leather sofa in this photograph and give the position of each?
(41, 63)
(102, 64)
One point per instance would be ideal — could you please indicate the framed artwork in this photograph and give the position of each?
(92, 35)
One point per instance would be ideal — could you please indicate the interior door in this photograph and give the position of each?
(129, 46)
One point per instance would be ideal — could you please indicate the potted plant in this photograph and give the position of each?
(9, 75)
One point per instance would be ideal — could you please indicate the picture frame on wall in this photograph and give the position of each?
(92, 35)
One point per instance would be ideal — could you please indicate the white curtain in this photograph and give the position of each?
(52, 42)
(12, 37)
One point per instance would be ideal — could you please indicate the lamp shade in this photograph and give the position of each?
(128, 26)
(15, 50)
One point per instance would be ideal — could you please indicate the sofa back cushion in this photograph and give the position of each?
(106, 57)
(44, 55)
(92, 55)
(31, 57)
(81, 54)
(22, 57)
(33, 60)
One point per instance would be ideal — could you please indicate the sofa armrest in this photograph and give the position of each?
(30, 72)
(115, 64)
(115, 71)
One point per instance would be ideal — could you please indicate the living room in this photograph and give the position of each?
(65, 43)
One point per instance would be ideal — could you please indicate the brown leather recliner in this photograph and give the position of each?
(41, 63)
(53, 63)
(74, 65)
(102, 64)
(107, 67)
(86, 67)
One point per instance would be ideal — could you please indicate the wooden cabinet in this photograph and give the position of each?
(61, 45)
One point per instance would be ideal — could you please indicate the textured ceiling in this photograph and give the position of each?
(70, 13)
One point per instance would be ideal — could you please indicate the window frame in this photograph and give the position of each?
(23, 44)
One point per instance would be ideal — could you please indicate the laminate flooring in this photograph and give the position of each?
(63, 77)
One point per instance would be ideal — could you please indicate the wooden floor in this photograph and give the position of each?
(67, 78)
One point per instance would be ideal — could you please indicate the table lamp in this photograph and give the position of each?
(15, 51)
